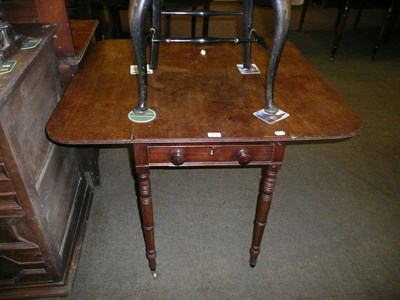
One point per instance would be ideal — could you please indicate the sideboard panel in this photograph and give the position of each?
(44, 197)
(60, 177)
(27, 109)
(21, 258)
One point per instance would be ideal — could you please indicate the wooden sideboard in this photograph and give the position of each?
(72, 37)
(44, 197)
(44, 11)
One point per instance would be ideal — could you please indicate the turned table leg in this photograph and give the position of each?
(146, 213)
(263, 206)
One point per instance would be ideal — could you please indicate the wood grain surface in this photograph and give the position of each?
(195, 94)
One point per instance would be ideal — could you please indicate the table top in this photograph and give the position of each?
(195, 94)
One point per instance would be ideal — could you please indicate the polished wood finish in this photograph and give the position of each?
(194, 95)
(44, 198)
(102, 94)
(262, 210)
(209, 154)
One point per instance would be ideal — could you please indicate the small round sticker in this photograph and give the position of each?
(148, 116)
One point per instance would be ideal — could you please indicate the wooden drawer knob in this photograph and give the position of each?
(244, 157)
(178, 157)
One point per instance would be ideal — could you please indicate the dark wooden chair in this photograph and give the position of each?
(391, 7)
(142, 37)
(173, 5)
(91, 9)
(114, 8)
(388, 23)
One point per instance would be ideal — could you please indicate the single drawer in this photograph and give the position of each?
(195, 155)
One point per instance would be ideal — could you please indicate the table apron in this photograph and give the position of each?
(232, 154)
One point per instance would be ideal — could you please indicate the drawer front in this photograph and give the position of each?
(210, 155)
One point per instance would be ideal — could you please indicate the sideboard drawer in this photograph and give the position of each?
(210, 154)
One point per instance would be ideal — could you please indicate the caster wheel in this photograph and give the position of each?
(252, 264)
(154, 274)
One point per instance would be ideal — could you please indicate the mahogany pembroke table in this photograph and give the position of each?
(197, 126)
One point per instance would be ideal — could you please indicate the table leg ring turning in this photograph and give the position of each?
(263, 206)
(146, 211)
